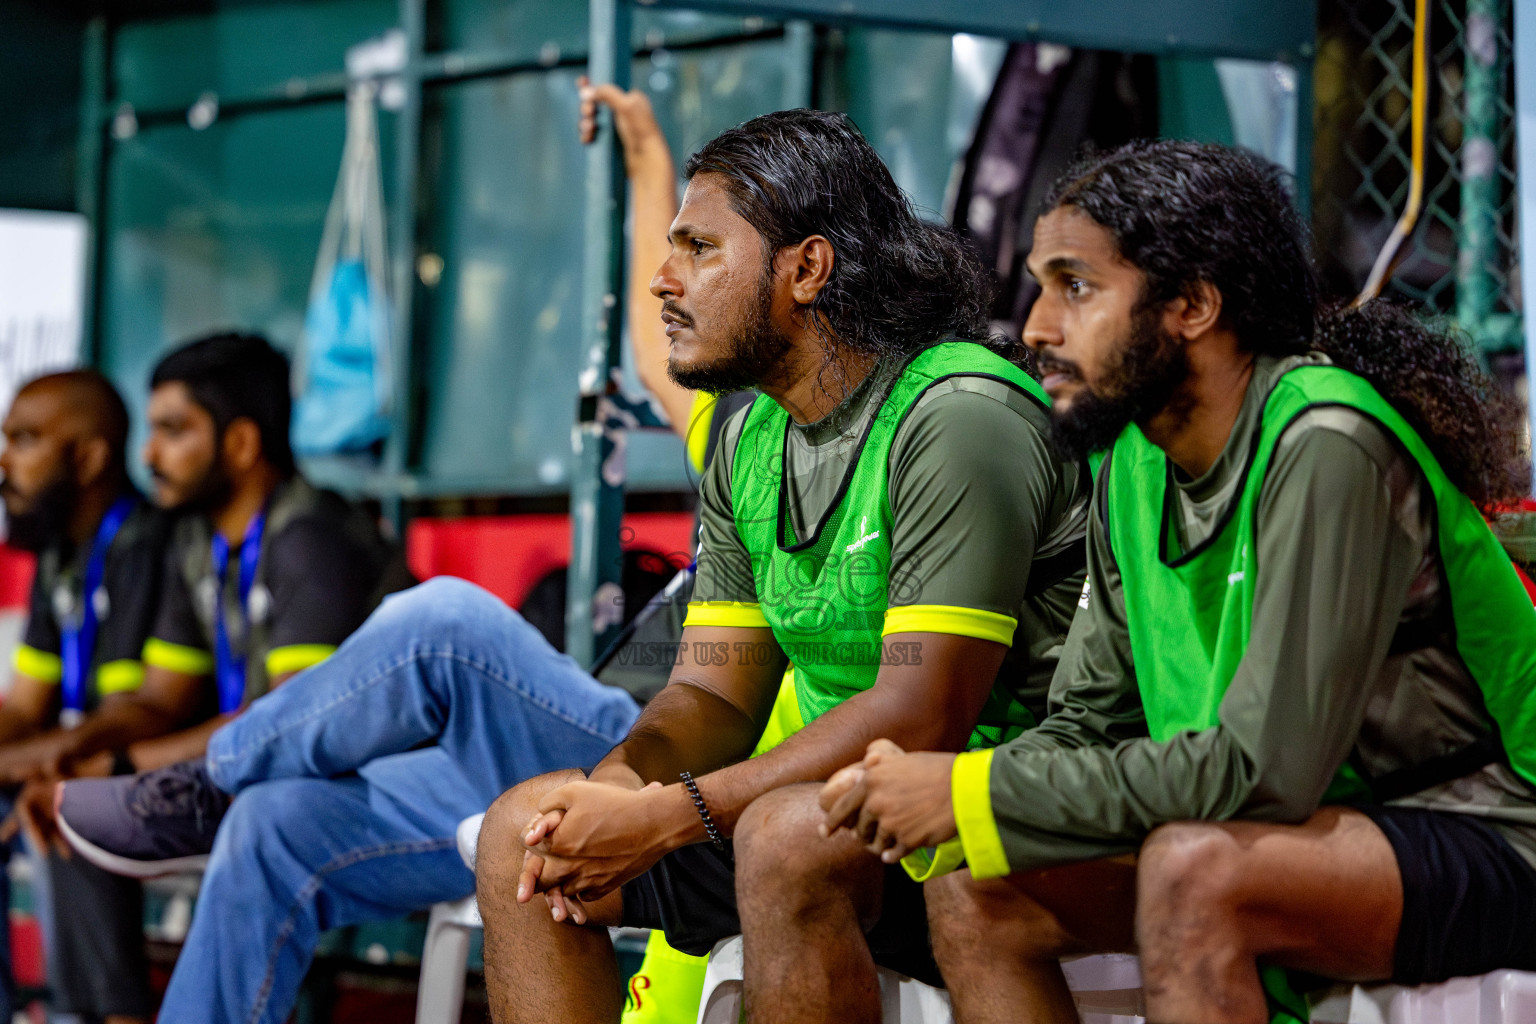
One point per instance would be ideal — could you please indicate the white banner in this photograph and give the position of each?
(42, 295)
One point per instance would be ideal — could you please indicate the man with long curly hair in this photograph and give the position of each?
(857, 520)
(1293, 723)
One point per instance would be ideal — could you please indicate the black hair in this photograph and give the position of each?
(233, 376)
(898, 283)
(1184, 213)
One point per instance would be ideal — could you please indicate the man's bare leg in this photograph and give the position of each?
(538, 970)
(804, 903)
(1325, 896)
(999, 941)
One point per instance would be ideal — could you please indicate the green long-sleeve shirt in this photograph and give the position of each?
(1347, 562)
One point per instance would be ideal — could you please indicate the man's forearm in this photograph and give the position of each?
(185, 745)
(15, 727)
(835, 740)
(117, 725)
(684, 728)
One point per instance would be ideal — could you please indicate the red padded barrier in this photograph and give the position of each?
(15, 578)
(507, 555)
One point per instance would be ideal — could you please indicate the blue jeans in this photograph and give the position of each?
(337, 819)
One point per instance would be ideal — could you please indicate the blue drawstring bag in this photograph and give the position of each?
(342, 376)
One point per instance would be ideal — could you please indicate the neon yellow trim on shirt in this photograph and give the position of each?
(120, 676)
(933, 861)
(40, 665)
(189, 661)
(785, 719)
(747, 614)
(970, 788)
(946, 618)
(296, 658)
(699, 415)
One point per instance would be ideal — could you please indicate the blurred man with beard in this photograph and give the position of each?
(99, 546)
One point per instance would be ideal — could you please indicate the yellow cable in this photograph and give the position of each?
(1387, 259)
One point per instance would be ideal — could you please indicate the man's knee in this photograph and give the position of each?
(968, 916)
(782, 860)
(776, 835)
(499, 851)
(445, 602)
(1185, 868)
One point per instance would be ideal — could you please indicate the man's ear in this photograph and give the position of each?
(242, 444)
(811, 269)
(93, 455)
(1197, 312)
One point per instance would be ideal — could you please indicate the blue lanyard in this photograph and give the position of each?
(231, 670)
(79, 638)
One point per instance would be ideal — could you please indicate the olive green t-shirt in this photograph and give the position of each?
(977, 495)
(1350, 658)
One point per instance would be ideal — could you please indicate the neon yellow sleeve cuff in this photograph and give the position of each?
(189, 661)
(933, 861)
(970, 788)
(747, 614)
(121, 676)
(40, 665)
(296, 658)
(944, 618)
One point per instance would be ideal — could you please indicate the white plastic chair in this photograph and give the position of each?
(440, 988)
(1499, 997)
(1108, 990)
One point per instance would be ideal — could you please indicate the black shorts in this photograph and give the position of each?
(691, 895)
(1469, 899)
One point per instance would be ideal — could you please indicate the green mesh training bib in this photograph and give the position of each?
(825, 598)
(1191, 616)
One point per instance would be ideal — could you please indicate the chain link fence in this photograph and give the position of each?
(1462, 260)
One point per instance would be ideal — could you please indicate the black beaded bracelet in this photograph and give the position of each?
(698, 801)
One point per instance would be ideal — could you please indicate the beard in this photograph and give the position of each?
(754, 350)
(208, 494)
(46, 517)
(1141, 382)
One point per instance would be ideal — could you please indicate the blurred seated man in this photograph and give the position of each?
(1292, 726)
(887, 515)
(99, 546)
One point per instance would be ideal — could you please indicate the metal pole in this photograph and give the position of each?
(593, 596)
(90, 179)
(799, 57)
(1477, 248)
(1525, 112)
(403, 234)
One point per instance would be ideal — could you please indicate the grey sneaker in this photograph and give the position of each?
(144, 825)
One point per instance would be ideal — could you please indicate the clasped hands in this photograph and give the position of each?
(590, 837)
(892, 801)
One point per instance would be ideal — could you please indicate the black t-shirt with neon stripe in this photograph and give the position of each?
(319, 576)
(131, 583)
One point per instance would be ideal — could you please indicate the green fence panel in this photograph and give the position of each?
(214, 229)
(239, 49)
